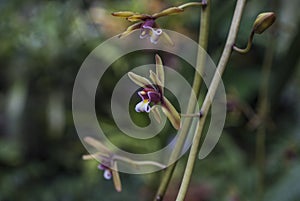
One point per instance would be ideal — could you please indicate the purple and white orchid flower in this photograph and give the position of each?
(147, 24)
(152, 95)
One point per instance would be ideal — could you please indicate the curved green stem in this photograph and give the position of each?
(203, 3)
(247, 48)
(137, 163)
(203, 39)
(210, 94)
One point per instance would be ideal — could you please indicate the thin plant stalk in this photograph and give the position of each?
(203, 39)
(210, 94)
(263, 109)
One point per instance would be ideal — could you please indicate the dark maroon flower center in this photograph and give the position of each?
(150, 94)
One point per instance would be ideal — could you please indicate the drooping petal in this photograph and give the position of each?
(160, 70)
(143, 106)
(130, 29)
(123, 14)
(116, 177)
(139, 80)
(168, 11)
(156, 113)
(167, 39)
(171, 113)
(138, 17)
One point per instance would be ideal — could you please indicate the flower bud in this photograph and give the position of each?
(263, 21)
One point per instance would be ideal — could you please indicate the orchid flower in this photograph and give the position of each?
(108, 161)
(147, 23)
(152, 95)
(107, 164)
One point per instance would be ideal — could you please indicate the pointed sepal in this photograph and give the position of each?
(171, 113)
(139, 80)
(168, 11)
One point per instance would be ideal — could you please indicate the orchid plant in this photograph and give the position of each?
(152, 91)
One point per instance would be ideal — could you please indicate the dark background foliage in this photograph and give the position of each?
(42, 46)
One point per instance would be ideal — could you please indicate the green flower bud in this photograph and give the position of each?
(263, 21)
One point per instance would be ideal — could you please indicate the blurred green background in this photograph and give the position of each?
(42, 46)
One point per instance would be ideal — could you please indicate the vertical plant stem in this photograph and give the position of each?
(210, 94)
(203, 39)
(263, 109)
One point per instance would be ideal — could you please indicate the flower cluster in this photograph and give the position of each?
(147, 23)
(152, 95)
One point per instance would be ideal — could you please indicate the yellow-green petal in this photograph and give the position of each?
(138, 17)
(130, 29)
(96, 144)
(156, 81)
(139, 80)
(171, 113)
(123, 14)
(160, 70)
(168, 11)
(156, 113)
(167, 39)
(116, 177)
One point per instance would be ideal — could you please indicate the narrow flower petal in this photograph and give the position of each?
(96, 144)
(139, 80)
(143, 106)
(116, 177)
(123, 14)
(160, 70)
(130, 29)
(168, 11)
(167, 39)
(171, 113)
(138, 17)
(156, 81)
(125, 33)
(107, 174)
(156, 113)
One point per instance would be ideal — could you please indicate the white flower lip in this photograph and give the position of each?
(107, 174)
(143, 106)
(149, 31)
